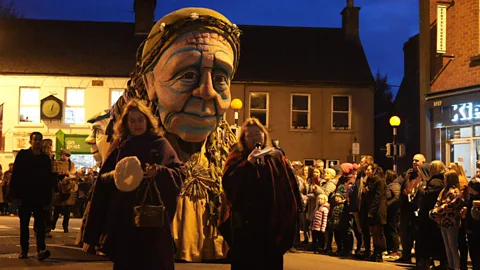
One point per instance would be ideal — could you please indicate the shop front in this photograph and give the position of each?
(455, 119)
(79, 149)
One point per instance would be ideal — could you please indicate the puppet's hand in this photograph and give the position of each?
(128, 174)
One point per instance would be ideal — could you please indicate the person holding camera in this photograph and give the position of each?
(264, 198)
(135, 196)
(410, 203)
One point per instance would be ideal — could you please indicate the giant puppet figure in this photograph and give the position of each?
(184, 69)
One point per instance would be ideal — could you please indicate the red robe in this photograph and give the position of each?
(263, 205)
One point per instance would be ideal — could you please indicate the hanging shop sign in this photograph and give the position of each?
(441, 29)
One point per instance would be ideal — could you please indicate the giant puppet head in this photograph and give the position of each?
(187, 64)
(97, 138)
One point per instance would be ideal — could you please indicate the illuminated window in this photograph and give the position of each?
(341, 112)
(115, 94)
(29, 105)
(300, 111)
(74, 107)
(259, 103)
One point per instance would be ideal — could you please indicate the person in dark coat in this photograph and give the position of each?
(472, 225)
(31, 183)
(376, 203)
(263, 196)
(140, 156)
(429, 245)
(393, 213)
(410, 203)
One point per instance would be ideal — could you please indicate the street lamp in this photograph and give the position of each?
(236, 106)
(395, 122)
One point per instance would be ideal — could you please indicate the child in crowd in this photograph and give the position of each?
(319, 223)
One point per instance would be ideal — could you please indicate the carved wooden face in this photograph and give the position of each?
(192, 83)
(98, 140)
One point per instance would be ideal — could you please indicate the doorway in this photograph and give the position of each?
(460, 151)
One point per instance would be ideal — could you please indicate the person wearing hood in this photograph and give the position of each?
(429, 245)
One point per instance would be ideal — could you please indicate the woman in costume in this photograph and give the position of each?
(184, 71)
(142, 165)
(263, 194)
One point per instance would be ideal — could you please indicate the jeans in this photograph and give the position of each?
(450, 238)
(357, 231)
(463, 246)
(65, 211)
(25, 213)
(408, 232)
(365, 231)
(378, 238)
(318, 240)
(474, 248)
(391, 229)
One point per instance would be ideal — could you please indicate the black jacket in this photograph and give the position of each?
(377, 200)
(32, 179)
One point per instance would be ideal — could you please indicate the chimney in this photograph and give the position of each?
(350, 17)
(144, 16)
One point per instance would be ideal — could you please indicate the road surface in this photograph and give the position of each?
(66, 256)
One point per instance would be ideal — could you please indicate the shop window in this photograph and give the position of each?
(300, 111)
(309, 162)
(29, 109)
(83, 161)
(115, 94)
(259, 104)
(74, 107)
(341, 112)
(477, 131)
(457, 133)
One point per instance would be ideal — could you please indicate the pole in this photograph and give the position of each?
(236, 124)
(395, 150)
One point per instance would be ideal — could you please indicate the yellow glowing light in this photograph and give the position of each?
(236, 104)
(395, 121)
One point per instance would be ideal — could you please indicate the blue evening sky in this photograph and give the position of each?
(384, 24)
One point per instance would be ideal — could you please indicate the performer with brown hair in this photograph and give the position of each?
(263, 194)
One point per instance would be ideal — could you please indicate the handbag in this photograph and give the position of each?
(147, 215)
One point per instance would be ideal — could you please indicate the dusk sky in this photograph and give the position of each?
(384, 24)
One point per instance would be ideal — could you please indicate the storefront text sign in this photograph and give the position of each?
(76, 144)
(441, 29)
(465, 112)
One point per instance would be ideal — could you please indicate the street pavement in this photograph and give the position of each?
(66, 256)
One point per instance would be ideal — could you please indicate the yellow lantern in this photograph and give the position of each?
(395, 121)
(236, 104)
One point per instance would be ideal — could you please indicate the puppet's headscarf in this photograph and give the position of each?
(182, 21)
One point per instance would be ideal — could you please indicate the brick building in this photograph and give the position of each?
(450, 64)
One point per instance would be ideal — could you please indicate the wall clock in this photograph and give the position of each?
(51, 108)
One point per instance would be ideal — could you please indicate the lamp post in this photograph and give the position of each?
(395, 122)
(236, 106)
